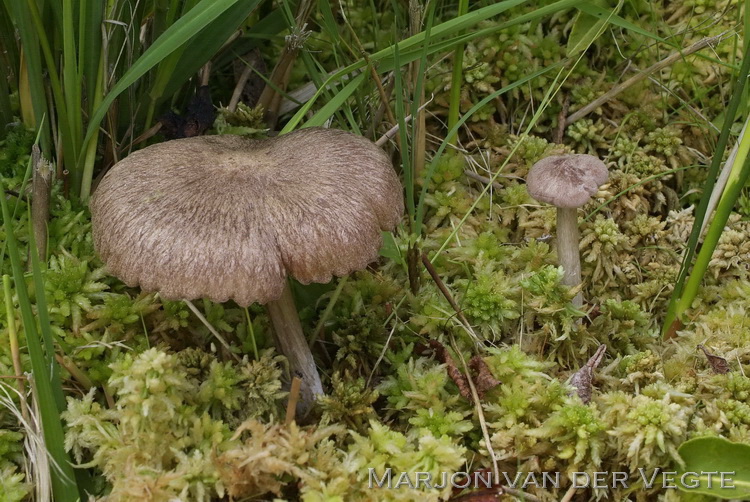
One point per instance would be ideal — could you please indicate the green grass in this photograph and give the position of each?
(89, 74)
(691, 274)
(46, 383)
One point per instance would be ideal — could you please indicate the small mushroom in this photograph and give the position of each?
(225, 217)
(567, 182)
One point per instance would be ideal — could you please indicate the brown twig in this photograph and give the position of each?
(672, 58)
(447, 294)
(237, 93)
(291, 405)
(583, 378)
(569, 494)
(483, 179)
(478, 408)
(205, 73)
(472, 387)
(270, 98)
(146, 135)
(393, 130)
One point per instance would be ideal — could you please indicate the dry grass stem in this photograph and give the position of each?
(291, 405)
(671, 59)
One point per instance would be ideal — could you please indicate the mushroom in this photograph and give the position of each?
(225, 217)
(567, 182)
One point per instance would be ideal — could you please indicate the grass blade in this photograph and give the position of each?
(672, 320)
(411, 49)
(458, 75)
(737, 180)
(63, 477)
(171, 40)
(207, 43)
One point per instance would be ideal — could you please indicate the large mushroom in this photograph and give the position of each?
(567, 182)
(229, 218)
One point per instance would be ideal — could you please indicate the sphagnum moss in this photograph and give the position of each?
(186, 424)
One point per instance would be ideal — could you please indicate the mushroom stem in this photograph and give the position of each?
(567, 249)
(292, 343)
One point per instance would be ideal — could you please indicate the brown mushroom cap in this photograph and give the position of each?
(225, 217)
(566, 181)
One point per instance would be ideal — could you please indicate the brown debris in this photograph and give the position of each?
(582, 379)
(200, 115)
(483, 379)
(718, 364)
(443, 356)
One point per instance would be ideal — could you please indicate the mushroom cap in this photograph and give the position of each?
(566, 181)
(226, 217)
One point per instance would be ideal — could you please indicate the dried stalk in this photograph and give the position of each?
(447, 294)
(672, 58)
(14, 351)
(270, 99)
(291, 405)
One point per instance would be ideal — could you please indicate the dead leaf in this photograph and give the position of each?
(718, 364)
(442, 355)
(583, 378)
(483, 378)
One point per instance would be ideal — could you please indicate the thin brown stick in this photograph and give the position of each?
(291, 405)
(474, 394)
(237, 93)
(672, 58)
(569, 494)
(76, 372)
(483, 179)
(270, 98)
(447, 294)
(205, 73)
(384, 100)
(477, 407)
(146, 135)
(393, 130)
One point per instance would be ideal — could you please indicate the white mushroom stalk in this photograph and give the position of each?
(230, 218)
(567, 182)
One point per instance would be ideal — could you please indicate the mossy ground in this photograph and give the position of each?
(157, 411)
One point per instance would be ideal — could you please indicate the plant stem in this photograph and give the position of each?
(457, 77)
(292, 343)
(737, 180)
(671, 321)
(40, 185)
(13, 337)
(567, 249)
(672, 58)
